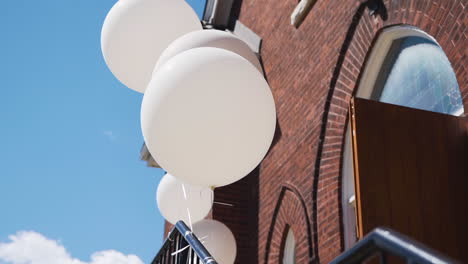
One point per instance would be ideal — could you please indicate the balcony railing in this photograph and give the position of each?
(183, 247)
(384, 243)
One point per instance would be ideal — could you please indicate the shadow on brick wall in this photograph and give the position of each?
(242, 216)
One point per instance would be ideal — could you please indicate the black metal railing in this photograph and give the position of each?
(383, 243)
(183, 247)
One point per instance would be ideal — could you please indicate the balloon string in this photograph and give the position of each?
(188, 210)
(212, 196)
(202, 239)
(179, 251)
(185, 193)
(227, 204)
(190, 219)
(213, 201)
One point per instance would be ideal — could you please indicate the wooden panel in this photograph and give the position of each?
(411, 172)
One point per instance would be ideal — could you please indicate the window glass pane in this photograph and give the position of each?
(289, 256)
(421, 77)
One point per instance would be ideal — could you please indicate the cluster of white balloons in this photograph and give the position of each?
(207, 117)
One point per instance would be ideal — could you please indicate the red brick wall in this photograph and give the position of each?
(313, 71)
(242, 216)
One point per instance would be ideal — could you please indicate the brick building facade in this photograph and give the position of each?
(313, 71)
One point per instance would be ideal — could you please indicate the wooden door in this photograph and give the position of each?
(411, 174)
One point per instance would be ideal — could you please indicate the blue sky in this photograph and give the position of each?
(70, 135)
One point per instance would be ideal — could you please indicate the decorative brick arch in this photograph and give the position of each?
(290, 212)
(445, 21)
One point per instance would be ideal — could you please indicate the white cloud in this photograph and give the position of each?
(114, 257)
(110, 135)
(29, 247)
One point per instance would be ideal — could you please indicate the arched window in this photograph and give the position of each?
(406, 67)
(289, 250)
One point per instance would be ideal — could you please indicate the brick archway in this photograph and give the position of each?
(441, 19)
(290, 212)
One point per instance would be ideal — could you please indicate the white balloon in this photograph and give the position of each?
(208, 117)
(209, 38)
(217, 239)
(136, 32)
(178, 201)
